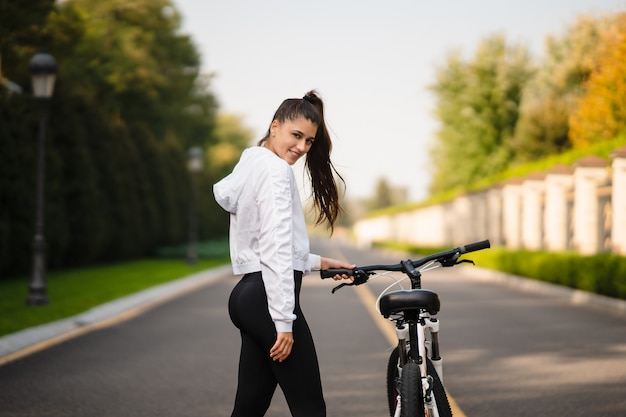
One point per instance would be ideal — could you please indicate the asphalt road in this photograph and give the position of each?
(507, 353)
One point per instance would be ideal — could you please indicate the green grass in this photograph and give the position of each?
(73, 291)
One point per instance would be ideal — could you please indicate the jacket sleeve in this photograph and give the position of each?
(314, 263)
(273, 185)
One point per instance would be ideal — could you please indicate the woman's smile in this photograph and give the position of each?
(291, 139)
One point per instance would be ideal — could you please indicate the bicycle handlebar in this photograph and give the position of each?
(446, 258)
(473, 247)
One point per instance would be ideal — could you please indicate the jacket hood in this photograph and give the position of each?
(228, 190)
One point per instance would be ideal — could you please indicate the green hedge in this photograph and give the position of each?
(116, 180)
(212, 249)
(603, 273)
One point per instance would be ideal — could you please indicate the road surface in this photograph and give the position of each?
(507, 353)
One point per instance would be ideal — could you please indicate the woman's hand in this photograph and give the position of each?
(329, 263)
(282, 347)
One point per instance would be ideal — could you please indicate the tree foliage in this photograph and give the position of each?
(386, 195)
(230, 137)
(601, 110)
(128, 103)
(551, 97)
(500, 108)
(478, 108)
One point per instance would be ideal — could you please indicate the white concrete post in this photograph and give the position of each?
(590, 174)
(533, 189)
(462, 218)
(372, 230)
(512, 213)
(430, 219)
(618, 230)
(494, 215)
(558, 212)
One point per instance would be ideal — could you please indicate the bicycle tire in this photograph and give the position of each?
(411, 391)
(443, 405)
(392, 381)
(441, 397)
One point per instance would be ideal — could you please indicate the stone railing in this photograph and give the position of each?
(579, 208)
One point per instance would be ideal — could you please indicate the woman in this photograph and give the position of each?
(270, 246)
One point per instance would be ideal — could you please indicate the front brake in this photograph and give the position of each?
(360, 277)
(454, 260)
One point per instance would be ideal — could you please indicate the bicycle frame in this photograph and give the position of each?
(423, 331)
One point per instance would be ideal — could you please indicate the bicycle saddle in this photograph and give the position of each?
(397, 301)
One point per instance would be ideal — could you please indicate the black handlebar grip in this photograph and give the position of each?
(472, 247)
(329, 273)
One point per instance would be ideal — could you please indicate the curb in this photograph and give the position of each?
(16, 345)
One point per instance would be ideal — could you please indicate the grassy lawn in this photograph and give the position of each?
(73, 291)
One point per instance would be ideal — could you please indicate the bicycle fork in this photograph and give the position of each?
(425, 346)
(402, 332)
(430, 347)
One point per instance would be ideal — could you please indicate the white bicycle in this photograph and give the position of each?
(415, 369)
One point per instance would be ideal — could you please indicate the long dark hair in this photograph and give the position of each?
(319, 167)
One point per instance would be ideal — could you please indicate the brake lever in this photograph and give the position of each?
(455, 261)
(360, 277)
(341, 286)
(450, 261)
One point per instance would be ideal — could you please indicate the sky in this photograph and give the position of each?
(371, 61)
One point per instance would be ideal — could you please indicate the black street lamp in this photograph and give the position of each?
(194, 165)
(43, 69)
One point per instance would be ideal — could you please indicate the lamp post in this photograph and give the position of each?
(194, 166)
(42, 68)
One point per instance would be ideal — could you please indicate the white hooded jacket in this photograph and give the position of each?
(267, 228)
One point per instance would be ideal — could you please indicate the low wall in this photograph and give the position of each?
(579, 208)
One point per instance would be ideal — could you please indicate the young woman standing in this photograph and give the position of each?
(269, 245)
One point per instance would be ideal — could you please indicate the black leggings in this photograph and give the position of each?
(298, 375)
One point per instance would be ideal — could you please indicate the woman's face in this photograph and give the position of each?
(291, 139)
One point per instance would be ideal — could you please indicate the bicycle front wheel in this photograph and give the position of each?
(393, 387)
(443, 405)
(411, 391)
(393, 381)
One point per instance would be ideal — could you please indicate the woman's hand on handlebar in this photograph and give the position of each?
(329, 263)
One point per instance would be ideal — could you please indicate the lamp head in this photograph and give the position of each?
(43, 70)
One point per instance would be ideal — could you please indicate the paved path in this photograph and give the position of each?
(511, 348)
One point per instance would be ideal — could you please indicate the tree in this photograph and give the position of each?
(383, 195)
(231, 137)
(133, 61)
(128, 103)
(601, 111)
(386, 195)
(478, 107)
(550, 98)
(19, 27)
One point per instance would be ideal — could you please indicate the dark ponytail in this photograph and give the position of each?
(319, 167)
